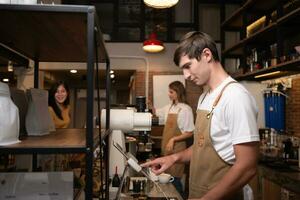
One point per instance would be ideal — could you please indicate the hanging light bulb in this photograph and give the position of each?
(159, 4)
(152, 45)
(73, 71)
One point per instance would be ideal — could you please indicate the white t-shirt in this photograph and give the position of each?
(234, 119)
(185, 118)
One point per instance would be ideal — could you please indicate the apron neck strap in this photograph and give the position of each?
(174, 106)
(220, 95)
(218, 99)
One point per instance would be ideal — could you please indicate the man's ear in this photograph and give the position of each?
(207, 55)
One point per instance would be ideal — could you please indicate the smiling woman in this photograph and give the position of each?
(59, 104)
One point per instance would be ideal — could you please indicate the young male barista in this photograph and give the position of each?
(224, 155)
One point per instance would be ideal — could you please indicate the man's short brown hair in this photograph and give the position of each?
(192, 44)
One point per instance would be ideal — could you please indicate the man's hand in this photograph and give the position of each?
(159, 165)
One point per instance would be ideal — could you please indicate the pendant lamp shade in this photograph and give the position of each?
(152, 45)
(160, 3)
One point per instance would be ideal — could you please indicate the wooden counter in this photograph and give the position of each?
(60, 141)
(288, 179)
(155, 193)
(169, 190)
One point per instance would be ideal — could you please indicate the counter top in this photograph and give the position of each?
(168, 189)
(155, 193)
(60, 141)
(286, 178)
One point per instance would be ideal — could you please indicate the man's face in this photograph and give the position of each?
(194, 70)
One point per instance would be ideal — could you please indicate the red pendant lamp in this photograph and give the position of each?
(153, 45)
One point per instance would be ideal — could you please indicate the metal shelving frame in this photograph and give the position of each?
(58, 33)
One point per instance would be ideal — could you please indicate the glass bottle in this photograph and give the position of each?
(116, 179)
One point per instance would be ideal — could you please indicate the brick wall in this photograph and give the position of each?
(293, 108)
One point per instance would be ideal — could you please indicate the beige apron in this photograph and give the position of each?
(171, 130)
(206, 167)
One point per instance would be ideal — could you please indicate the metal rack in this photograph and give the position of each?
(59, 33)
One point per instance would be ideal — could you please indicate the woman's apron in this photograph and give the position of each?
(207, 168)
(171, 130)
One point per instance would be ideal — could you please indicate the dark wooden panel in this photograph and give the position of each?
(29, 30)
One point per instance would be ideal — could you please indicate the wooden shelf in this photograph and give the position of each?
(276, 32)
(267, 34)
(235, 50)
(286, 68)
(30, 31)
(290, 19)
(253, 8)
(60, 141)
(235, 21)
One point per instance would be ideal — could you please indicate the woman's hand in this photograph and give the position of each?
(150, 107)
(170, 145)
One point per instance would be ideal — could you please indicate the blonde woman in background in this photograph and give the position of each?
(179, 126)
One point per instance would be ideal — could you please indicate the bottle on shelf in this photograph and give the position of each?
(273, 49)
(264, 59)
(256, 59)
(116, 179)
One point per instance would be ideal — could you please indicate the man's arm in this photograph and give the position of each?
(161, 164)
(239, 174)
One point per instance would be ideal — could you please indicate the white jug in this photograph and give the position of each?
(9, 118)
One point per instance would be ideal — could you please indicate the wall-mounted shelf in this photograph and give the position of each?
(285, 68)
(291, 18)
(279, 31)
(267, 34)
(253, 9)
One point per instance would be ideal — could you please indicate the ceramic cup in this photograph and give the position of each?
(165, 178)
(153, 177)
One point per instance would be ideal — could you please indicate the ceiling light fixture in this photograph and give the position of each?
(160, 4)
(153, 45)
(73, 71)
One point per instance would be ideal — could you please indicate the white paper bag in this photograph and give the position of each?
(9, 117)
(38, 120)
(20, 100)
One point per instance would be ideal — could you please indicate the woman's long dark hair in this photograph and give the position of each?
(52, 101)
(178, 87)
